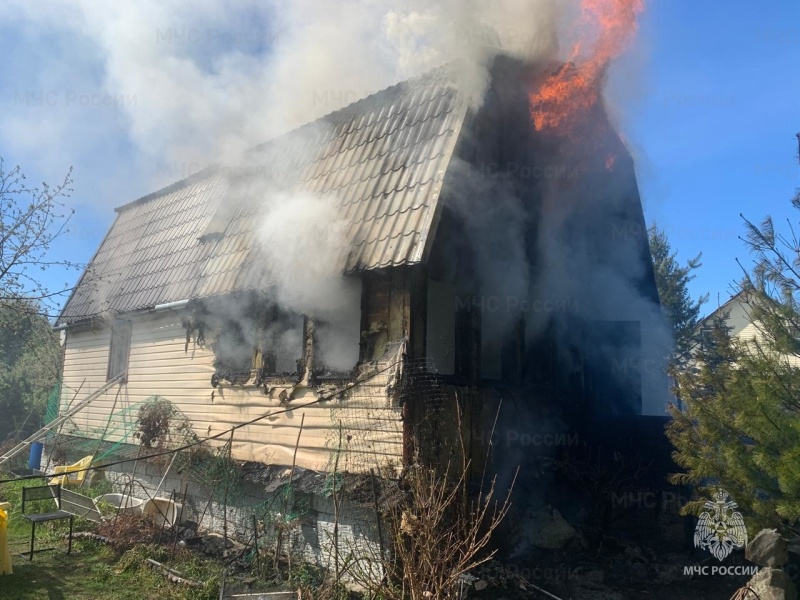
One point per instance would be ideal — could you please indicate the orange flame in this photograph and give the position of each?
(576, 85)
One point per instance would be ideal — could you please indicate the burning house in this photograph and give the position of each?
(345, 288)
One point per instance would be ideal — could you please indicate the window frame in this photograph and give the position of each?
(119, 349)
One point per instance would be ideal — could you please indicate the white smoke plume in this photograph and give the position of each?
(304, 248)
(192, 83)
(186, 84)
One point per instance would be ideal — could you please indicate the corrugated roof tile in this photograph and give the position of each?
(380, 159)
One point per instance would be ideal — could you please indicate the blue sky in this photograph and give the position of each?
(708, 99)
(712, 123)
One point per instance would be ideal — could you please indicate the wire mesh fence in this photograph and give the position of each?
(372, 423)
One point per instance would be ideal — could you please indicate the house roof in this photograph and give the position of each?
(740, 296)
(381, 160)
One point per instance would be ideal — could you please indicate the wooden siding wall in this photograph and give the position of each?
(751, 333)
(85, 370)
(738, 316)
(365, 417)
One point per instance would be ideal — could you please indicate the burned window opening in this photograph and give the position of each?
(541, 364)
(233, 356)
(513, 352)
(453, 325)
(281, 347)
(375, 315)
(335, 348)
(253, 340)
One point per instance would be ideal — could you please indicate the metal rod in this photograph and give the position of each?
(225, 503)
(205, 510)
(255, 546)
(377, 515)
(178, 518)
(289, 491)
(87, 475)
(71, 523)
(160, 483)
(58, 433)
(336, 509)
(164, 519)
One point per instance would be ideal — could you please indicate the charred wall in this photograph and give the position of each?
(533, 223)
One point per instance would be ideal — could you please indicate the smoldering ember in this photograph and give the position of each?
(424, 345)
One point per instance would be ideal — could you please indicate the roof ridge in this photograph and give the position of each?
(442, 72)
(201, 174)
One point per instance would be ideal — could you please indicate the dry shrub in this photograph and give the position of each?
(155, 418)
(127, 530)
(161, 427)
(437, 531)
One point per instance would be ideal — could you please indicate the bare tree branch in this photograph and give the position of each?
(31, 219)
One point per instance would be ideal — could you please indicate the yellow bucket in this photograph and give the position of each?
(5, 555)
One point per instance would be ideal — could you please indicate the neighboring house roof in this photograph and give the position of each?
(724, 307)
(735, 311)
(383, 158)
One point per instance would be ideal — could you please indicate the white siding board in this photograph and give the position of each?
(85, 366)
(738, 317)
(161, 365)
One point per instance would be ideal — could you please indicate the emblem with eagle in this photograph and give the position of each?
(720, 528)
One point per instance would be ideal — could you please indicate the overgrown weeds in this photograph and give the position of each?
(128, 530)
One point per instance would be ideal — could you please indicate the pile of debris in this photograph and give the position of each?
(568, 566)
(770, 551)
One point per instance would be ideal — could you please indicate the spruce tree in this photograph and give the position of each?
(672, 281)
(740, 425)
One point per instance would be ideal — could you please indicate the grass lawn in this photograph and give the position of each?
(94, 571)
(91, 572)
